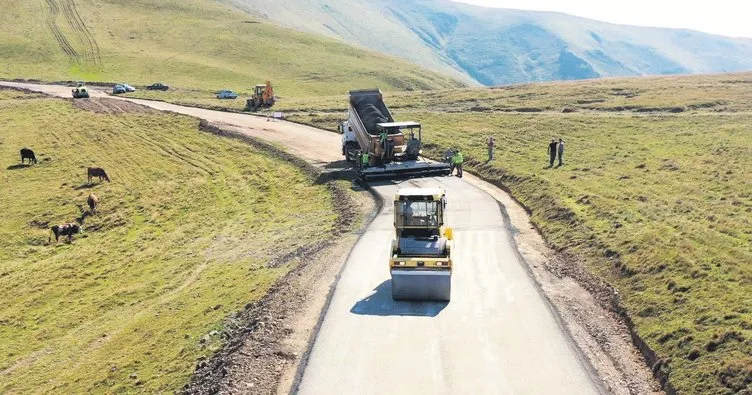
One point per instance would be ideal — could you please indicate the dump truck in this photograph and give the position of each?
(263, 96)
(398, 154)
(80, 91)
(420, 262)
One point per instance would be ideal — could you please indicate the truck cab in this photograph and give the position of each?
(350, 146)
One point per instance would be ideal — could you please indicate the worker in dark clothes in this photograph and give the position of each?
(448, 155)
(561, 152)
(382, 142)
(552, 152)
(491, 145)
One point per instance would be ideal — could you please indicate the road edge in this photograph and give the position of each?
(298, 378)
(593, 327)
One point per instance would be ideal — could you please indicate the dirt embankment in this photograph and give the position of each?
(267, 343)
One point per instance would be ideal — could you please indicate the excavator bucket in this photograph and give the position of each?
(417, 284)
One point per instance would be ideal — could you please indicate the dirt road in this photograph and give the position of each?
(499, 334)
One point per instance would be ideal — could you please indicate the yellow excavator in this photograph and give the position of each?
(421, 262)
(263, 96)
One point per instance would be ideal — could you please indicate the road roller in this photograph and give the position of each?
(421, 264)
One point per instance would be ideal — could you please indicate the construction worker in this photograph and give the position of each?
(407, 214)
(364, 160)
(457, 160)
(448, 155)
(491, 145)
(383, 142)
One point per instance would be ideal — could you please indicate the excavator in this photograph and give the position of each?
(420, 263)
(263, 96)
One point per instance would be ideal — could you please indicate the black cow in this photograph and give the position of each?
(64, 230)
(28, 154)
(92, 172)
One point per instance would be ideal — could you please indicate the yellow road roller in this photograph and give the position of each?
(421, 262)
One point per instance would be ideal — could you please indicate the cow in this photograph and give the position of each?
(97, 172)
(28, 154)
(64, 230)
(92, 201)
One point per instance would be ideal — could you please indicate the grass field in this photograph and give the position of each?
(184, 237)
(197, 44)
(655, 196)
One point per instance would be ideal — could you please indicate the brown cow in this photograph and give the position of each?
(92, 201)
(97, 172)
(64, 230)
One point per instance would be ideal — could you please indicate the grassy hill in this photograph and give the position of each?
(500, 46)
(188, 43)
(184, 236)
(655, 197)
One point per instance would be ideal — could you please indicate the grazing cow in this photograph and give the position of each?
(97, 172)
(28, 154)
(65, 230)
(93, 201)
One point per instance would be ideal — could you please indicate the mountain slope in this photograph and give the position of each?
(191, 43)
(497, 46)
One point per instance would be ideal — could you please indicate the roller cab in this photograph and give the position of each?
(421, 263)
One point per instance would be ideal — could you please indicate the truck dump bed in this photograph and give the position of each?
(368, 106)
(367, 110)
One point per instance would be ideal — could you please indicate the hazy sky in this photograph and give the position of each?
(726, 17)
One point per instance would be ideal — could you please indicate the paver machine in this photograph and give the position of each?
(399, 155)
(421, 264)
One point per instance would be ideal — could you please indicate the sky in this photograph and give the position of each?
(725, 17)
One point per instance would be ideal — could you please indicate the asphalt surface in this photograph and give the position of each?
(498, 335)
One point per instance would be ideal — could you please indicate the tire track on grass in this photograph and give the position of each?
(84, 36)
(62, 41)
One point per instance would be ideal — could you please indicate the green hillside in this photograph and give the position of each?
(187, 43)
(185, 235)
(655, 197)
(496, 46)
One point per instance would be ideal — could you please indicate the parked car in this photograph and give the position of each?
(119, 88)
(128, 88)
(157, 87)
(225, 94)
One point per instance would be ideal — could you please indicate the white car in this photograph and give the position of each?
(128, 88)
